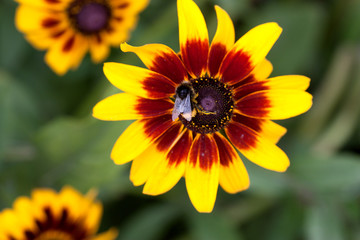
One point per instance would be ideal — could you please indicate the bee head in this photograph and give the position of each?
(183, 90)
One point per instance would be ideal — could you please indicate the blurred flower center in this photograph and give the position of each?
(89, 16)
(54, 235)
(213, 104)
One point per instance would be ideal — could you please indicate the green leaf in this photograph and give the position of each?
(77, 152)
(349, 23)
(303, 25)
(323, 222)
(211, 227)
(149, 224)
(18, 120)
(338, 175)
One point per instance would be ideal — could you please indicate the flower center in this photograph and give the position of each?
(54, 235)
(60, 227)
(213, 106)
(89, 16)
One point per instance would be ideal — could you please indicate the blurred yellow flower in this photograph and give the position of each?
(193, 107)
(47, 215)
(70, 28)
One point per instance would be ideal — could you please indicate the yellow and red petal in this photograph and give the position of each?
(125, 106)
(233, 175)
(294, 82)
(42, 196)
(54, 5)
(202, 172)
(161, 59)
(264, 127)
(223, 40)
(169, 171)
(249, 51)
(69, 198)
(274, 104)
(31, 19)
(66, 53)
(138, 137)
(146, 163)
(124, 18)
(44, 40)
(261, 71)
(99, 49)
(139, 81)
(26, 212)
(193, 38)
(114, 34)
(256, 148)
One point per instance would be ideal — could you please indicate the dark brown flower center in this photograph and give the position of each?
(212, 105)
(62, 227)
(89, 16)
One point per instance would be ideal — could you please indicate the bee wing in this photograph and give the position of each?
(177, 108)
(186, 113)
(182, 106)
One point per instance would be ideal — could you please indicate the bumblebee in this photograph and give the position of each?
(184, 96)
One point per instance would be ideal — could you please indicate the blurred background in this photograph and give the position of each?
(49, 139)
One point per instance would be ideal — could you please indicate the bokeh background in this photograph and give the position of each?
(49, 139)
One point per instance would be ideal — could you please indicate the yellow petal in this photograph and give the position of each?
(262, 70)
(272, 131)
(46, 4)
(202, 173)
(10, 225)
(93, 215)
(296, 82)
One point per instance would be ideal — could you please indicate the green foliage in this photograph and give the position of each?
(49, 139)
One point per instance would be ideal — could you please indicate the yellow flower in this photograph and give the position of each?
(193, 107)
(70, 28)
(47, 215)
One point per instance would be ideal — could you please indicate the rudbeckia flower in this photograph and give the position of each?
(67, 215)
(68, 29)
(194, 107)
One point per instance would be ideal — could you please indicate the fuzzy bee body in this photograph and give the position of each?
(182, 103)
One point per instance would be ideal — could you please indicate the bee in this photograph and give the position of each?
(183, 98)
